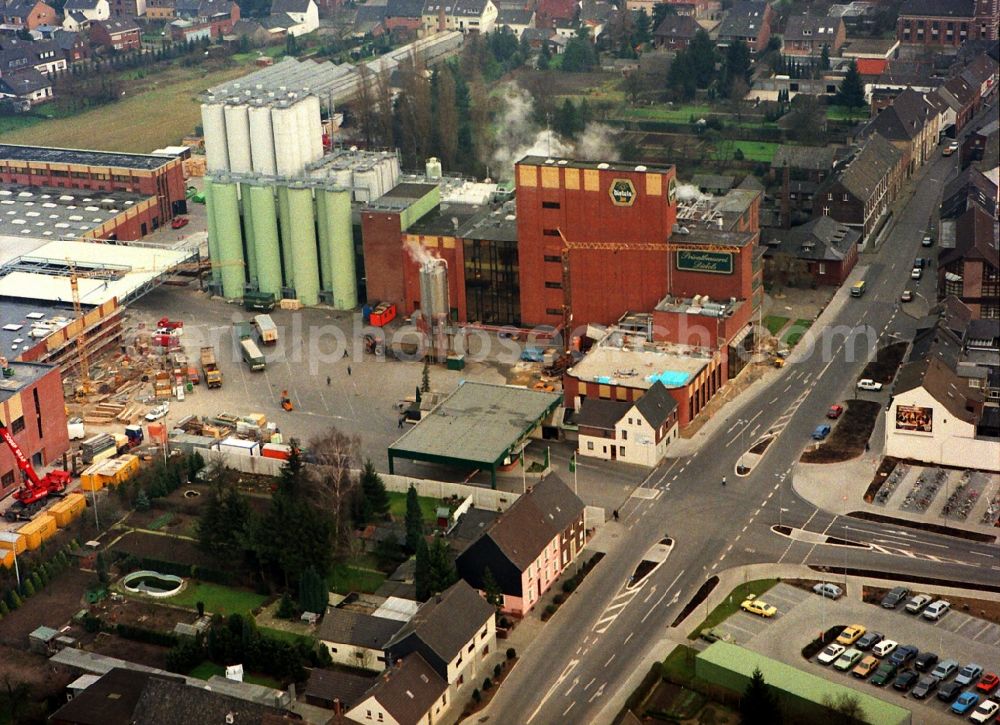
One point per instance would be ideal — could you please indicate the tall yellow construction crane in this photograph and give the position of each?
(615, 247)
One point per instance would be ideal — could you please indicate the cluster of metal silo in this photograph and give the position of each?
(369, 174)
(263, 132)
(282, 237)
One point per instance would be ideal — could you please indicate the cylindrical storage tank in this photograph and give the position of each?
(340, 242)
(364, 182)
(226, 208)
(238, 138)
(213, 124)
(394, 165)
(285, 233)
(286, 143)
(315, 127)
(343, 177)
(302, 109)
(303, 247)
(433, 168)
(213, 233)
(249, 232)
(385, 174)
(434, 302)
(323, 234)
(262, 140)
(266, 241)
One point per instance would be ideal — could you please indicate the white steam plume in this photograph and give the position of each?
(518, 136)
(690, 192)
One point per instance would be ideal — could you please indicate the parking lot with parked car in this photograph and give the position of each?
(930, 655)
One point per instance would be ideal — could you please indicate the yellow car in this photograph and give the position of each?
(851, 634)
(759, 607)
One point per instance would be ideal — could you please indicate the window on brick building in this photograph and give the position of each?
(17, 425)
(552, 258)
(550, 232)
(550, 204)
(553, 285)
(7, 479)
(552, 311)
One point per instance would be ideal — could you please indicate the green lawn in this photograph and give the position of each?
(773, 323)
(753, 150)
(206, 669)
(284, 636)
(679, 664)
(428, 506)
(673, 114)
(843, 113)
(160, 521)
(217, 598)
(796, 331)
(345, 579)
(731, 604)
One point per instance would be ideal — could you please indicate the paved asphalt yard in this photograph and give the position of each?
(802, 615)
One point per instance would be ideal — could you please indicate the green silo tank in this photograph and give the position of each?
(285, 231)
(266, 242)
(249, 234)
(227, 224)
(213, 232)
(303, 246)
(340, 241)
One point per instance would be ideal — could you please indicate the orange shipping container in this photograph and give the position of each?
(90, 480)
(8, 559)
(41, 528)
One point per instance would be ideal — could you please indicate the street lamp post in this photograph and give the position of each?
(743, 442)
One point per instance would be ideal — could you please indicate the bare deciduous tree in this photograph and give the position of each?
(332, 482)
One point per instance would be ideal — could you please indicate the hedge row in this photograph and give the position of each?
(149, 636)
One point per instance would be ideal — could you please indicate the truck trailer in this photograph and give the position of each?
(266, 329)
(210, 368)
(252, 355)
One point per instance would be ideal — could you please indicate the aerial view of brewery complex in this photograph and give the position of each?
(530, 362)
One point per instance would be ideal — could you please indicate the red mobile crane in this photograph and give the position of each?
(30, 497)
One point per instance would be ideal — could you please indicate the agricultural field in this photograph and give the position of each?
(132, 124)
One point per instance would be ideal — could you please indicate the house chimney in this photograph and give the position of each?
(338, 708)
(441, 17)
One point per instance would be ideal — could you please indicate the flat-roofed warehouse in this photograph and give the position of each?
(37, 320)
(158, 176)
(478, 426)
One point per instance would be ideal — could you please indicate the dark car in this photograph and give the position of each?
(894, 597)
(925, 687)
(920, 262)
(925, 661)
(885, 672)
(949, 691)
(905, 680)
(901, 655)
(869, 640)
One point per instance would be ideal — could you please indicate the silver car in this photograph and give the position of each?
(825, 589)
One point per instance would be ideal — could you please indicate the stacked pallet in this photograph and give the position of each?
(104, 412)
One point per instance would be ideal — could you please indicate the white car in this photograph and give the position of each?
(825, 589)
(869, 384)
(885, 647)
(936, 610)
(986, 710)
(917, 603)
(916, 273)
(158, 412)
(831, 653)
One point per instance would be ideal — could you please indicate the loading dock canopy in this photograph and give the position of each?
(478, 426)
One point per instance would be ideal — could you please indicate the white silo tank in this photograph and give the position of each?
(394, 165)
(238, 138)
(286, 146)
(315, 127)
(305, 142)
(384, 174)
(343, 177)
(262, 140)
(363, 182)
(213, 124)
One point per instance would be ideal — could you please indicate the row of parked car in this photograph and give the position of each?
(882, 661)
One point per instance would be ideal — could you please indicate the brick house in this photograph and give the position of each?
(676, 32)
(826, 251)
(946, 22)
(121, 35)
(809, 34)
(971, 270)
(528, 546)
(29, 14)
(749, 21)
(218, 15)
(911, 124)
(403, 14)
(961, 101)
(860, 195)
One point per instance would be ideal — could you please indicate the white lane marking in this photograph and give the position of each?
(566, 711)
